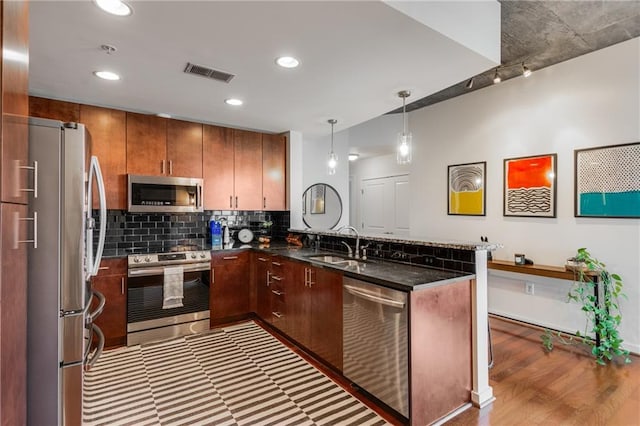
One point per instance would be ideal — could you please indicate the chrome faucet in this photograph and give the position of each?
(348, 248)
(355, 231)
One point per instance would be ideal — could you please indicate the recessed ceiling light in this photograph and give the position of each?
(107, 75)
(233, 101)
(114, 7)
(353, 157)
(287, 62)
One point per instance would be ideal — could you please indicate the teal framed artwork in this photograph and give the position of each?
(607, 181)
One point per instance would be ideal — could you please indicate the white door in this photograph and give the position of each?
(385, 205)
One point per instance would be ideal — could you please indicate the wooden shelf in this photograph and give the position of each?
(558, 272)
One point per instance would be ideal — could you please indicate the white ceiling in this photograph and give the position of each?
(355, 56)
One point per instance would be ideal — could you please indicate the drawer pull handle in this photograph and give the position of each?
(277, 314)
(276, 263)
(262, 259)
(102, 268)
(277, 278)
(230, 257)
(277, 293)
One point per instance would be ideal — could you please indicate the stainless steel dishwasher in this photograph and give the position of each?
(375, 341)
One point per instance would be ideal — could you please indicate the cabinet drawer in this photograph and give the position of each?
(113, 266)
(225, 258)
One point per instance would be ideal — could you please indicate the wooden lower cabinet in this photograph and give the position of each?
(111, 281)
(13, 319)
(325, 315)
(314, 309)
(229, 288)
(262, 285)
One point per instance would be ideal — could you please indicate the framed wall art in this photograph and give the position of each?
(607, 181)
(466, 189)
(530, 186)
(317, 199)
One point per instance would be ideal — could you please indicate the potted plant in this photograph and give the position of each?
(598, 291)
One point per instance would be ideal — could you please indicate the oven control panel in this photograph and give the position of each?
(177, 258)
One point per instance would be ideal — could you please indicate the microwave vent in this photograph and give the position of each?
(208, 72)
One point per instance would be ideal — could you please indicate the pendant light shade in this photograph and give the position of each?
(332, 161)
(403, 145)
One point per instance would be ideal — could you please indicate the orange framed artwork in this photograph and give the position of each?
(530, 186)
(467, 188)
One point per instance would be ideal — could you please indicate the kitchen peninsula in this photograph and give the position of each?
(446, 311)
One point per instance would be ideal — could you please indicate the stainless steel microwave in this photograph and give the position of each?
(164, 194)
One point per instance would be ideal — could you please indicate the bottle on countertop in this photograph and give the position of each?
(216, 234)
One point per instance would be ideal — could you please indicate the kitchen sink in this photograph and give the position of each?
(328, 259)
(336, 260)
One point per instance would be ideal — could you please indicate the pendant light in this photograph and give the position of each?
(403, 148)
(332, 162)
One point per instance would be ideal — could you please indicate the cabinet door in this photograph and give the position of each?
(273, 172)
(217, 168)
(325, 317)
(298, 294)
(229, 291)
(53, 109)
(15, 102)
(13, 314)
(248, 170)
(107, 129)
(146, 145)
(113, 285)
(184, 149)
(262, 286)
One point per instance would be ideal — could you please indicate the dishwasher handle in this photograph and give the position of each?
(373, 298)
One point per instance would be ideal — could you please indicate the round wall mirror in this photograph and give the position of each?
(321, 206)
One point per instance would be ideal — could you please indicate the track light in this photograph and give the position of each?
(496, 77)
(525, 71)
(469, 84)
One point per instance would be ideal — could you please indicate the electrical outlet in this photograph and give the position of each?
(529, 288)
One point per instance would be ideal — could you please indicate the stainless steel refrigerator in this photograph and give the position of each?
(60, 331)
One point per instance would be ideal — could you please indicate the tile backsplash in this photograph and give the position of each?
(411, 254)
(129, 233)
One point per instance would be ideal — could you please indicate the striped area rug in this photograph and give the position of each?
(239, 375)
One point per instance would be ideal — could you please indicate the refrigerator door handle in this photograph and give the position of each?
(95, 172)
(96, 313)
(90, 360)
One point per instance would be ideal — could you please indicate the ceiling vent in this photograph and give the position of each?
(208, 72)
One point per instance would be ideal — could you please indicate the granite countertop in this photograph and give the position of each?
(460, 245)
(388, 274)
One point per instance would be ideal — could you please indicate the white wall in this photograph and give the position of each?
(592, 100)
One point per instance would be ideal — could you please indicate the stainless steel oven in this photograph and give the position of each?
(164, 194)
(147, 318)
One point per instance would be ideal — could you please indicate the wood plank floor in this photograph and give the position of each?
(564, 387)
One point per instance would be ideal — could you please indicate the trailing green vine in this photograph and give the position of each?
(603, 313)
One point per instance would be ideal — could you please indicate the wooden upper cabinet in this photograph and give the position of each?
(146, 145)
(184, 149)
(247, 170)
(14, 103)
(53, 109)
(274, 172)
(107, 130)
(217, 162)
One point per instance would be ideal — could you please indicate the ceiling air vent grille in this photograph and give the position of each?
(208, 72)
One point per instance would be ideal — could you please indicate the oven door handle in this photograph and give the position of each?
(159, 270)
